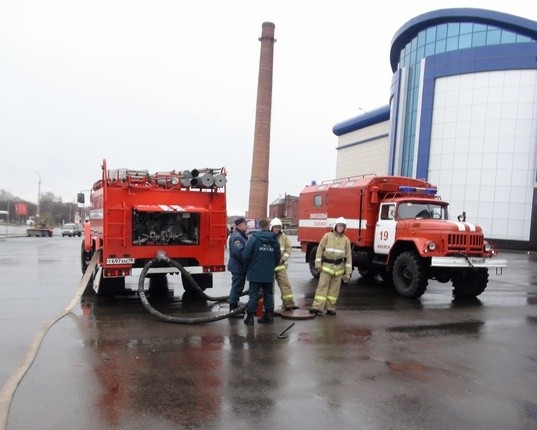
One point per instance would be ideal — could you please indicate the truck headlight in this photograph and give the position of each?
(431, 246)
(487, 247)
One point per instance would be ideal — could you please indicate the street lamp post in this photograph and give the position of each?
(38, 192)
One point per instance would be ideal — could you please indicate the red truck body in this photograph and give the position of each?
(135, 215)
(400, 230)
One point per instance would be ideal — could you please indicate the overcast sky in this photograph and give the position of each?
(164, 85)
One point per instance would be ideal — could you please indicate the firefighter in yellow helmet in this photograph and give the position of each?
(334, 259)
(280, 271)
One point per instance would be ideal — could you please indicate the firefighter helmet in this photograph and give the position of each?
(340, 220)
(276, 222)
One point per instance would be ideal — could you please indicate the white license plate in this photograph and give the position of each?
(120, 261)
(475, 260)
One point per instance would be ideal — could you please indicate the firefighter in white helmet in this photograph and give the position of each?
(334, 259)
(280, 271)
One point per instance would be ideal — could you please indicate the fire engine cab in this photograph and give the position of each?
(399, 229)
(135, 215)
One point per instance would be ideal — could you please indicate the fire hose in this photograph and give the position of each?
(8, 390)
(162, 258)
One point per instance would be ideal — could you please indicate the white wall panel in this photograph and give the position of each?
(487, 164)
(480, 98)
(366, 151)
(489, 160)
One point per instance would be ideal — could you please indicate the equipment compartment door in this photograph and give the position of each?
(385, 229)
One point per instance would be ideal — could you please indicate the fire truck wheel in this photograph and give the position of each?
(158, 285)
(204, 281)
(85, 258)
(409, 275)
(367, 273)
(109, 287)
(470, 283)
(386, 276)
(311, 260)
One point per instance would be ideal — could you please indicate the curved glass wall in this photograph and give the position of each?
(434, 40)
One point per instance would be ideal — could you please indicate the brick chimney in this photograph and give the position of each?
(259, 179)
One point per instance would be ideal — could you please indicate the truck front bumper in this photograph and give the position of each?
(477, 262)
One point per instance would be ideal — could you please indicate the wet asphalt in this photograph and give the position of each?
(383, 362)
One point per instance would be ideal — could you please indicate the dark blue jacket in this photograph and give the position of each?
(237, 242)
(260, 256)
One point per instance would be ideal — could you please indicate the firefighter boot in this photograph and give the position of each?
(290, 306)
(233, 306)
(249, 320)
(267, 318)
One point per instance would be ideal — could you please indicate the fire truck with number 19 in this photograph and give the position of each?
(399, 229)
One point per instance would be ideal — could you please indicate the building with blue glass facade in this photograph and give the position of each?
(463, 115)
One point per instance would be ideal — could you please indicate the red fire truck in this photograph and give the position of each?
(399, 229)
(135, 215)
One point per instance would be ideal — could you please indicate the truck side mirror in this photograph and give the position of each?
(462, 217)
(80, 198)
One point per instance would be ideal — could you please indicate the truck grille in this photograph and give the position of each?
(465, 242)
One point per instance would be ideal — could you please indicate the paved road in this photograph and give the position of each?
(382, 363)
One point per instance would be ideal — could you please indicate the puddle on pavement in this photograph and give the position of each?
(407, 367)
(334, 334)
(462, 327)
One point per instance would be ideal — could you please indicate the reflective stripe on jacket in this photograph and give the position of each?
(285, 248)
(333, 247)
(325, 268)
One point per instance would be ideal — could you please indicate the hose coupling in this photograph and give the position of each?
(161, 256)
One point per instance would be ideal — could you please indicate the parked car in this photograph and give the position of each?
(71, 229)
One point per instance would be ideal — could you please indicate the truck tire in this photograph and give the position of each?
(85, 258)
(311, 260)
(367, 273)
(110, 287)
(386, 276)
(409, 275)
(470, 283)
(158, 285)
(191, 294)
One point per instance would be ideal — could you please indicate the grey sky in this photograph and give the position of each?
(167, 85)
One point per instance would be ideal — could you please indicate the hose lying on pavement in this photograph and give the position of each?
(10, 386)
(162, 258)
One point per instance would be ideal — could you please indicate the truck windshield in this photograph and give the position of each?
(420, 210)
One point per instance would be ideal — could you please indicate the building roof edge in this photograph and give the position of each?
(483, 16)
(375, 116)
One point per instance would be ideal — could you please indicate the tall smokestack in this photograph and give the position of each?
(258, 203)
